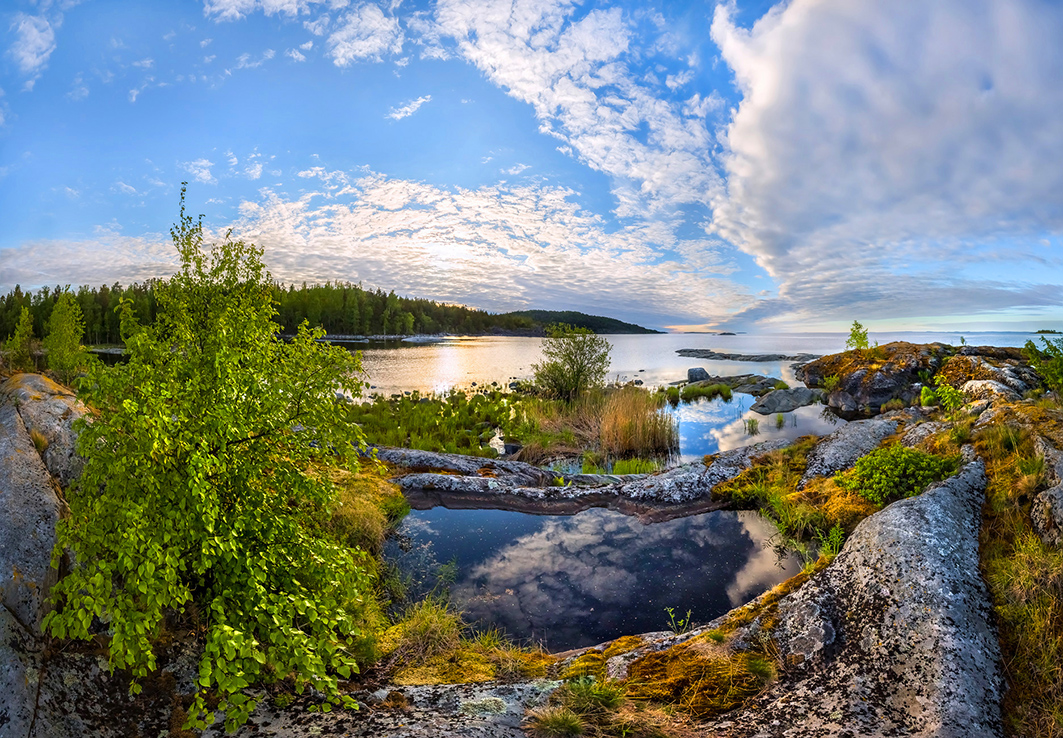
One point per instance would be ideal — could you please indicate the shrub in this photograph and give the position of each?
(830, 384)
(951, 398)
(574, 360)
(894, 471)
(857, 339)
(693, 391)
(1048, 363)
(927, 397)
(203, 483)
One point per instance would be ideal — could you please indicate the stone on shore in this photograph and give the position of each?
(787, 400)
(842, 448)
(696, 374)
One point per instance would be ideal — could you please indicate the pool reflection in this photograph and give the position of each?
(572, 581)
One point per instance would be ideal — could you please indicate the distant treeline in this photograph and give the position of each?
(340, 308)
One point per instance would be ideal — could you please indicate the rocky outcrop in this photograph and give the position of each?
(721, 356)
(750, 384)
(696, 374)
(1006, 366)
(868, 379)
(787, 400)
(683, 484)
(841, 449)
(48, 411)
(988, 389)
(895, 637)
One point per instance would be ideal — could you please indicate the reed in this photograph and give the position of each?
(634, 423)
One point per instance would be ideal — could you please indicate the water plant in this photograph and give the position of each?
(692, 392)
(780, 420)
(752, 426)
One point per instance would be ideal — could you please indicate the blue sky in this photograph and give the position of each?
(725, 165)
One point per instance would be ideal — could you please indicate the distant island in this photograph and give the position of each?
(343, 309)
(596, 323)
(1048, 331)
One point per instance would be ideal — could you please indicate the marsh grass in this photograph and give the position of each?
(1025, 578)
(634, 423)
(692, 392)
(367, 509)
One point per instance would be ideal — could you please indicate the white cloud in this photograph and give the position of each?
(318, 26)
(135, 92)
(78, 89)
(307, 46)
(200, 170)
(236, 9)
(874, 173)
(253, 170)
(144, 63)
(244, 60)
(496, 247)
(205, 43)
(124, 188)
(575, 74)
(517, 169)
(209, 59)
(408, 109)
(34, 44)
(680, 79)
(295, 55)
(364, 34)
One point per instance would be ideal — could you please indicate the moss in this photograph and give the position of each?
(892, 357)
(367, 508)
(623, 645)
(461, 666)
(588, 664)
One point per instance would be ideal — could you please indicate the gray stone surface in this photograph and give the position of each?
(1046, 512)
(841, 449)
(696, 374)
(724, 356)
(20, 668)
(919, 433)
(50, 410)
(787, 400)
(988, 389)
(445, 711)
(29, 510)
(895, 637)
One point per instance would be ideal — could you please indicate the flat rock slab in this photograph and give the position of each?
(445, 711)
(895, 637)
(842, 448)
(723, 356)
(683, 484)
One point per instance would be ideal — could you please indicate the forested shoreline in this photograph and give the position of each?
(341, 308)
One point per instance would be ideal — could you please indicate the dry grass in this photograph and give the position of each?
(39, 441)
(367, 508)
(1025, 579)
(634, 424)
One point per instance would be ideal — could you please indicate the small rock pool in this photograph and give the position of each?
(569, 581)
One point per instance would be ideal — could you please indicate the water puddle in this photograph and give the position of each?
(711, 426)
(577, 580)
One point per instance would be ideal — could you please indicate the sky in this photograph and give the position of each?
(683, 165)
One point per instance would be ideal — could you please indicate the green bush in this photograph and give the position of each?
(857, 339)
(893, 471)
(927, 397)
(206, 481)
(951, 398)
(1048, 363)
(574, 360)
(66, 356)
(830, 384)
(693, 391)
(19, 345)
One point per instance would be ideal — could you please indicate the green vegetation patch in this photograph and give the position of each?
(692, 392)
(892, 472)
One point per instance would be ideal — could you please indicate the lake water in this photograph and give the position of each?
(578, 580)
(459, 362)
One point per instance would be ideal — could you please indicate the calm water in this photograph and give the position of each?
(458, 362)
(574, 581)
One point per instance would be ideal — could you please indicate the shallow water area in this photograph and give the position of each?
(710, 426)
(578, 580)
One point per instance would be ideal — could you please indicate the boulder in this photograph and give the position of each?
(29, 510)
(1046, 512)
(696, 374)
(841, 449)
(787, 400)
(895, 637)
(989, 389)
(48, 410)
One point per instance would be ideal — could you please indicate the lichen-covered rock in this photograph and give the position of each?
(787, 400)
(20, 669)
(895, 637)
(514, 473)
(1046, 512)
(49, 410)
(29, 510)
(841, 449)
(988, 389)
(984, 363)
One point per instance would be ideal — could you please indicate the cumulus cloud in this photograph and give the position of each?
(408, 109)
(236, 9)
(34, 44)
(364, 34)
(496, 247)
(875, 172)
